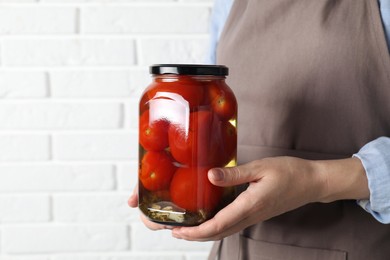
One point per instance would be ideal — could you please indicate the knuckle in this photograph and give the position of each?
(235, 174)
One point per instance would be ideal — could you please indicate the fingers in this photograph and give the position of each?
(232, 176)
(234, 217)
(133, 200)
(229, 220)
(152, 225)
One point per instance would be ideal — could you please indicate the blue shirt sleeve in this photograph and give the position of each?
(375, 156)
(219, 15)
(384, 6)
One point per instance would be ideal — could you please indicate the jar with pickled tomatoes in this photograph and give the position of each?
(187, 125)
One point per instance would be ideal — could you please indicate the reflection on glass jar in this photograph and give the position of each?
(187, 125)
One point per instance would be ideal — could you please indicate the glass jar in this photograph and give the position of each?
(187, 125)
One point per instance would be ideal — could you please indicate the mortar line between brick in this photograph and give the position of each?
(64, 163)
(70, 100)
(176, 3)
(107, 36)
(122, 118)
(50, 148)
(1, 54)
(77, 24)
(76, 68)
(129, 237)
(47, 84)
(138, 52)
(34, 132)
(115, 177)
(51, 208)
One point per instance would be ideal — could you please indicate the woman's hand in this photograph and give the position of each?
(277, 185)
(133, 203)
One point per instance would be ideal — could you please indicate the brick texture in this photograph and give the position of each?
(37, 20)
(24, 147)
(23, 84)
(47, 238)
(56, 177)
(69, 51)
(24, 208)
(71, 76)
(122, 19)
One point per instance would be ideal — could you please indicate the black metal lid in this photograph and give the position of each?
(189, 69)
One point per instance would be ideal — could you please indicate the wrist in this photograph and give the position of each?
(341, 179)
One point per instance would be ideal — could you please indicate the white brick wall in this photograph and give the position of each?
(71, 74)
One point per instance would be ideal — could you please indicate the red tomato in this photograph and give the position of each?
(157, 169)
(190, 189)
(192, 146)
(153, 136)
(223, 101)
(180, 144)
(227, 145)
(191, 90)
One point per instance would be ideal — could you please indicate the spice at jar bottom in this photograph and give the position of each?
(187, 125)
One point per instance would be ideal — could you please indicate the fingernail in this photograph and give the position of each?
(216, 174)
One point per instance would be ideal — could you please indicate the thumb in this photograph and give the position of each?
(230, 176)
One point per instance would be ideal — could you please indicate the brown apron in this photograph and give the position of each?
(312, 79)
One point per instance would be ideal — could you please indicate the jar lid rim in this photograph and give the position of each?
(189, 69)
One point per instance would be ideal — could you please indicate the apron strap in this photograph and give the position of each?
(215, 250)
(231, 247)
